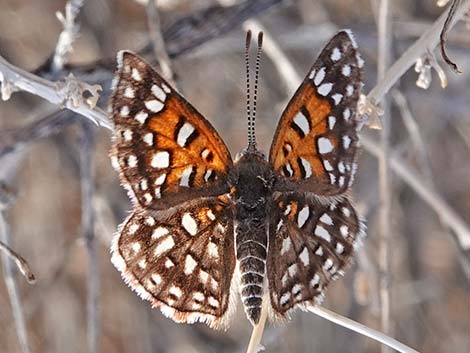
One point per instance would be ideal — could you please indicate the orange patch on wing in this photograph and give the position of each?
(318, 110)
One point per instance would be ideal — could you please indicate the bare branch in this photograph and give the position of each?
(68, 34)
(427, 41)
(158, 44)
(13, 292)
(385, 185)
(20, 262)
(88, 221)
(443, 37)
(361, 329)
(69, 93)
(437, 203)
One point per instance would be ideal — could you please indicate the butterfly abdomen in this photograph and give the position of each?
(251, 252)
(250, 183)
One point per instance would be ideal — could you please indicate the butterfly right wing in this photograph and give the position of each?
(181, 262)
(310, 244)
(164, 150)
(315, 144)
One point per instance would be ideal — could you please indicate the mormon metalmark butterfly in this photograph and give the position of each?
(279, 229)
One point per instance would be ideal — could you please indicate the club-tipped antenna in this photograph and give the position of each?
(248, 102)
(252, 110)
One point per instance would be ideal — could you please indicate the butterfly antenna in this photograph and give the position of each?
(255, 90)
(248, 103)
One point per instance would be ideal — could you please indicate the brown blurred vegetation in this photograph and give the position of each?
(430, 291)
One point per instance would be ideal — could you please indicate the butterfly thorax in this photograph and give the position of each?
(251, 183)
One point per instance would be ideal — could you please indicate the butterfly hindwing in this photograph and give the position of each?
(165, 151)
(310, 244)
(316, 140)
(182, 262)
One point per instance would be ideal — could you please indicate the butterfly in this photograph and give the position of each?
(277, 229)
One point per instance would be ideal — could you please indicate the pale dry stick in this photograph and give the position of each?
(255, 341)
(385, 186)
(437, 203)
(88, 226)
(19, 261)
(13, 292)
(361, 329)
(68, 34)
(67, 93)
(428, 41)
(156, 38)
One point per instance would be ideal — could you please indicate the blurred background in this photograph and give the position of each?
(41, 150)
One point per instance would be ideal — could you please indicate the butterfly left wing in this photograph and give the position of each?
(166, 152)
(310, 244)
(315, 143)
(182, 262)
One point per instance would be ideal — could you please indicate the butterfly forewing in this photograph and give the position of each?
(310, 244)
(165, 151)
(182, 261)
(316, 141)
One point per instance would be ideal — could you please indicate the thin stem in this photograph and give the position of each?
(13, 292)
(384, 54)
(87, 190)
(437, 203)
(361, 329)
(158, 44)
(19, 261)
(68, 34)
(257, 333)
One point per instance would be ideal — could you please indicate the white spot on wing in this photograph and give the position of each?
(327, 165)
(292, 270)
(324, 145)
(325, 218)
(184, 181)
(346, 114)
(132, 161)
(127, 135)
(349, 90)
(159, 232)
(129, 92)
(301, 121)
(161, 179)
(325, 89)
(158, 93)
(124, 111)
(176, 291)
(319, 77)
(315, 280)
(141, 117)
(136, 74)
(154, 105)
(307, 167)
(322, 233)
(344, 231)
(160, 160)
(336, 54)
(212, 250)
(285, 298)
(183, 134)
(286, 244)
(337, 97)
(346, 141)
(346, 70)
(148, 138)
(133, 228)
(331, 122)
(164, 246)
(339, 248)
(189, 224)
(189, 265)
(304, 257)
(303, 216)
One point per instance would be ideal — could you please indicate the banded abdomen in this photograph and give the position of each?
(251, 243)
